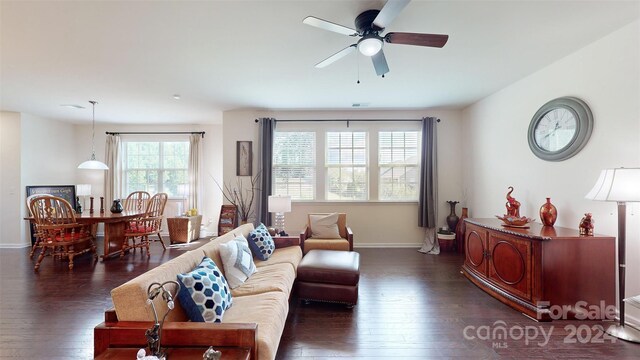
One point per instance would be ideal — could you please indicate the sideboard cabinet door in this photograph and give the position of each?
(510, 264)
(476, 249)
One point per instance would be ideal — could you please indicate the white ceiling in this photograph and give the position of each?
(132, 56)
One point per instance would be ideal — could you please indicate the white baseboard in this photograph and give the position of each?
(14, 246)
(631, 321)
(387, 245)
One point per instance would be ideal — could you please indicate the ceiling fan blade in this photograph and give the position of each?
(328, 25)
(433, 40)
(389, 12)
(337, 56)
(380, 63)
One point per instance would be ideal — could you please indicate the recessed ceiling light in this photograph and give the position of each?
(176, 96)
(72, 106)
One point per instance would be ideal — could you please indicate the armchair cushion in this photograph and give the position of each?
(324, 226)
(237, 261)
(204, 293)
(261, 243)
(326, 244)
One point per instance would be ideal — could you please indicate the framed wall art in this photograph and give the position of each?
(244, 158)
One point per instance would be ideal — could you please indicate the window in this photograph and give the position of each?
(365, 161)
(346, 163)
(398, 161)
(294, 164)
(156, 166)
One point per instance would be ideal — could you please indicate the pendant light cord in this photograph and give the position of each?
(93, 131)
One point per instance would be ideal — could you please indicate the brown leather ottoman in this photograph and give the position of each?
(329, 275)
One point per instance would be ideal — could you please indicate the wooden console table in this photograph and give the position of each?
(175, 353)
(539, 267)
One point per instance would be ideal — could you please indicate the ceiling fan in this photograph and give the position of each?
(369, 25)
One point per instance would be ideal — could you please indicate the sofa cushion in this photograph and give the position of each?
(324, 226)
(261, 243)
(287, 255)
(269, 310)
(237, 261)
(204, 293)
(278, 277)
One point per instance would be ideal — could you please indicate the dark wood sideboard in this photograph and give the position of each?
(533, 269)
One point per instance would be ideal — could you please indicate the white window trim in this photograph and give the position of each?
(372, 129)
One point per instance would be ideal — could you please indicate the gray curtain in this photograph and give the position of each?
(428, 199)
(113, 176)
(195, 158)
(265, 166)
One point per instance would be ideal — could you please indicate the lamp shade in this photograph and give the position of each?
(279, 203)
(83, 189)
(619, 184)
(93, 165)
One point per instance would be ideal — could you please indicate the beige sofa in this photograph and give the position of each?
(263, 300)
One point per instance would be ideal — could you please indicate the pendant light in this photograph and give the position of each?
(93, 164)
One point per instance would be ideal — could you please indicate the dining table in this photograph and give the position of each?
(114, 227)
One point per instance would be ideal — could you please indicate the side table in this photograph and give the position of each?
(184, 229)
(284, 241)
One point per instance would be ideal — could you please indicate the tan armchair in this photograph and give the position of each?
(344, 242)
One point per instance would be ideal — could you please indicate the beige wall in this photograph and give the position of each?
(373, 223)
(606, 75)
(47, 150)
(11, 192)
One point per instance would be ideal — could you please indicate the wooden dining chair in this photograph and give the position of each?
(136, 201)
(37, 239)
(58, 230)
(144, 226)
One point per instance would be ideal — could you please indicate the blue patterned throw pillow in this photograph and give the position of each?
(204, 293)
(261, 243)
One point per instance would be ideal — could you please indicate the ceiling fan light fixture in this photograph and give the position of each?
(369, 46)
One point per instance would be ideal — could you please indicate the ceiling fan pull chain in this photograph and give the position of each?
(358, 67)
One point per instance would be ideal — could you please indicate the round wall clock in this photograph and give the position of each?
(560, 129)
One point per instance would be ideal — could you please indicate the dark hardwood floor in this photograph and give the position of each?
(411, 306)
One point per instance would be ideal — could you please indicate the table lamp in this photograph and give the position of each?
(83, 190)
(619, 185)
(280, 204)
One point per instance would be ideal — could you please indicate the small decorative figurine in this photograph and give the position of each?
(212, 354)
(513, 205)
(586, 225)
(78, 205)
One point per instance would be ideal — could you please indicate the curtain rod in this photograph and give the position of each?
(347, 120)
(154, 133)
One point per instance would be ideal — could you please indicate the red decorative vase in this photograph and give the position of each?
(548, 213)
(461, 228)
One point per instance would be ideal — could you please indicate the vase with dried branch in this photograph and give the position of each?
(241, 195)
